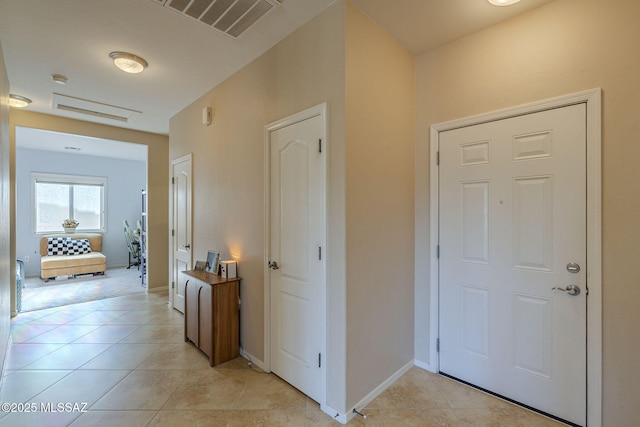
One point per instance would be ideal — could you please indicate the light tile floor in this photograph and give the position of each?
(126, 359)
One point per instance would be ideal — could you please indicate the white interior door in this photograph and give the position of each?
(297, 241)
(512, 228)
(181, 228)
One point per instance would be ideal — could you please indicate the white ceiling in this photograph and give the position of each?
(186, 59)
(74, 38)
(38, 139)
(422, 25)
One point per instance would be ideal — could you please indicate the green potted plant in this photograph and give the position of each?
(70, 225)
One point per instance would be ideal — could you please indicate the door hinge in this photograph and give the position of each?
(319, 253)
(319, 360)
(438, 251)
(438, 345)
(319, 145)
(173, 285)
(437, 158)
(173, 233)
(173, 180)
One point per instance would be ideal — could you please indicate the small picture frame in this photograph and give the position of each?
(200, 266)
(213, 262)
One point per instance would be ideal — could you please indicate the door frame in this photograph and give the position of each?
(318, 110)
(592, 98)
(186, 157)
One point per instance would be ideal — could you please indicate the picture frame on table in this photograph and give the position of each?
(200, 266)
(213, 262)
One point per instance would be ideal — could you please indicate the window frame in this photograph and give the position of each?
(55, 178)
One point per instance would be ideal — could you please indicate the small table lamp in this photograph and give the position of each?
(229, 269)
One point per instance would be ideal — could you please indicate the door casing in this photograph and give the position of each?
(592, 99)
(319, 110)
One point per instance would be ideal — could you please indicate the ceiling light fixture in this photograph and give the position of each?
(18, 101)
(503, 2)
(128, 62)
(59, 78)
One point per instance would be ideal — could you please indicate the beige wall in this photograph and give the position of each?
(370, 192)
(7, 268)
(227, 194)
(380, 112)
(158, 179)
(303, 70)
(310, 70)
(564, 47)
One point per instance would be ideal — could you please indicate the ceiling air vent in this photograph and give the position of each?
(92, 108)
(232, 17)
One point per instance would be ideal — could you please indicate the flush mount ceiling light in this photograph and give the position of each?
(128, 62)
(18, 101)
(59, 78)
(503, 2)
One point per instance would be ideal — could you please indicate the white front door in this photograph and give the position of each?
(297, 243)
(513, 228)
(181, 227)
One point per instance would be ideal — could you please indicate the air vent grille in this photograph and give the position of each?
(232, 17)
(92, 108)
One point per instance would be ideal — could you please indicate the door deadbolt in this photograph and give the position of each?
(572, 267)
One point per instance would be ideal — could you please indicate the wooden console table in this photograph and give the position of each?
(211, 315)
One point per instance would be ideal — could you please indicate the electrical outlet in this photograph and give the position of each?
(26, 259)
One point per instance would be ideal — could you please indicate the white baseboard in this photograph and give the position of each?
(341, 417)
(117, 265)
(336, 415)
(345, 418)
(3, 368)
(259, 363)
(424, 365)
